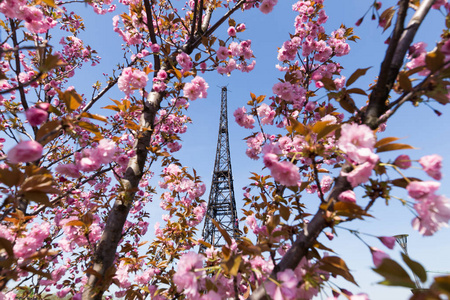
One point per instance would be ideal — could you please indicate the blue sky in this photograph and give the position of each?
(419, 127)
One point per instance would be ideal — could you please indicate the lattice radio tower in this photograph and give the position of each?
(221, 204)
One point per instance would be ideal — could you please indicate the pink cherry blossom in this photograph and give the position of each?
(433, 214)
(347, 196)
(286, 289)
(403, 161)
(266, 113)
(284, 172)
(267, 6)
(388, 241)
(145, 277)
(36, 116)
(186, 278)
(243, 119)
(70, 170)
(222, 53)
(231, 31)
(432, 165)
(197, 88)
(357, 141)
(360, 174)
(360, 296)
(132, 79)
(105, 151)
(378, 256)
(422, 189)
(326, 183)
(25, 152)
(241, 27)
(211, 295)
(185, 61)
(155, 48)
(254, 146)
(122, 274)
(27, 245)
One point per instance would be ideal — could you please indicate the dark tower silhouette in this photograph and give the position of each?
(221, 204)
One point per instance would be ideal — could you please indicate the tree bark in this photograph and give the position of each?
(105, 253)
(103, 260)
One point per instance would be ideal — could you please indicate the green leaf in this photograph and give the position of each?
(336, 266)
(284, 212)
(71, 99)
(297, 127)
(48, 131)
(38, 197)
(386, 17)
(51, 62)
(326, 130)
(404, 82)
(94, 116)
(385, 141)
(417, 268)
(394, 274)
(434, 60)
(351, 210)
(89, 127)
(402, 182)
(443, 284)
(394, 146)
(358, 73)
(357, 91)
(347, 103)
(329, 84)
(11, 177)
(224, 233)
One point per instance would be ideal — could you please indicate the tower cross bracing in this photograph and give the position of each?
(221, 203)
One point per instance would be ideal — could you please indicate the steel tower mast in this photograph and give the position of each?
(221, 204)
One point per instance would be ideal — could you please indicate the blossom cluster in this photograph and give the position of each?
(357, 142)
(132, 79)
(35, 19)
(433, 211)
(197, 88)
(89, 160)
(237, 55)
(284, 172)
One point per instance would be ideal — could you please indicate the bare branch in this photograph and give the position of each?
(194, 19)
(151, 31)
(388, 72)
(23, 99)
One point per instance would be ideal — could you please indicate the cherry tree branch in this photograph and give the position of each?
(395, 105)
(307, 237)
(17, 67)
(105, 253)
(398, 46)
(388, 72)
(152, 32)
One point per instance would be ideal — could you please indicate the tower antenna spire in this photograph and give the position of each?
(221, 204)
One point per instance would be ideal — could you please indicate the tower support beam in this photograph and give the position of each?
(221, 203)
